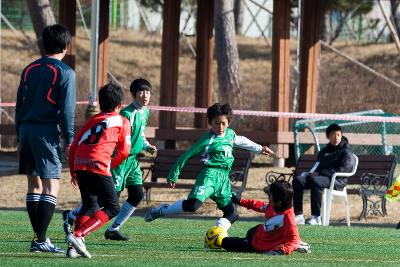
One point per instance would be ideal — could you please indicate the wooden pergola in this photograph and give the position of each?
(309, 63)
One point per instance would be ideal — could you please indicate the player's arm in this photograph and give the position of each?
(123, 145)
(67, 105)
(245, 143)
(148, 147)
(18, 105)
(194, 150)
(71, 154)
(253, 204)
(292, 237)
(146, 144)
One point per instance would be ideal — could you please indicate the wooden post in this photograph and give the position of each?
(103, 56)
(310, 48)
(281, 69)
(169, 65)
(67, 15)
(204, 58)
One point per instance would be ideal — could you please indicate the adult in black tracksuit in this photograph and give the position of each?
(335, 157)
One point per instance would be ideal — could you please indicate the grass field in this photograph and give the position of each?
(179, 242)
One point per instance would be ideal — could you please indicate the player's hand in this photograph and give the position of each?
(74, 181)
(274, 252)
(235, 199)
(314, 174)
(152, 149)
(267, 151)
(67, 151)
(171, 184)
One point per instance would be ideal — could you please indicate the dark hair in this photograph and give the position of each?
(110, 96)
(332, 128)
(217, 109)
(282, 192)
(55, 38)
(140, 85)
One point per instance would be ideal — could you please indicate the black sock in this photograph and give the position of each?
(45, 212)
(32, 202)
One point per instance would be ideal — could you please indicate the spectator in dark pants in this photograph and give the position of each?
(335, 157)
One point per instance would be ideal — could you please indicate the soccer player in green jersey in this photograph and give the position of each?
(128, 175)
(215, 148)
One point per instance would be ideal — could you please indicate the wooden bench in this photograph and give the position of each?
(166, 158)
(374, 175)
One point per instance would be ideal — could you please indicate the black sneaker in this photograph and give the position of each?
(115, 235)
(68, 222)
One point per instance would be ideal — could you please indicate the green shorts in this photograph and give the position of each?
(127, 173)
(212, 183)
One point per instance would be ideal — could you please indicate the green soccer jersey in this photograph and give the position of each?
(215, 151)
(138, 117)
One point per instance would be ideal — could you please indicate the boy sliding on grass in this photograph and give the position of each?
(90, 162)
(215, 148)
(278, 235)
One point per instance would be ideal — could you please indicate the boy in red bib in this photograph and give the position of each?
(90, 160)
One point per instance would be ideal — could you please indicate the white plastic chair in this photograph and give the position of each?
(330, 192)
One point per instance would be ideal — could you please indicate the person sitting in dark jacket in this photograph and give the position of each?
(335, 157)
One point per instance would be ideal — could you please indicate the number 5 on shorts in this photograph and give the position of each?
(199, 190)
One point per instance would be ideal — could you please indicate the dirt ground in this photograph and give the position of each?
(13, 191)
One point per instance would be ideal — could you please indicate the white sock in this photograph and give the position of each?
(123, 215)
(73, 213)
(224, 223)
(173, 208)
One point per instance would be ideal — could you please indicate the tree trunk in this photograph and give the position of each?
(238, 9)
(326, 27)
(394, 7)
(42, 16)
(326, 23)
(227, 53)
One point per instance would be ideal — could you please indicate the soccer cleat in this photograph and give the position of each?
(299, 219)
(45, 246)
(304, 248)
(78, 243)
(68, 222)
(155, 213)
(115, 235)
(315, 220)
(72, 253)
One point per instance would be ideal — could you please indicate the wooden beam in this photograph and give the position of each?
(310, 49)
(67, 17)
(169, 65)
(103, 56)
(281, 68)
(204, 59)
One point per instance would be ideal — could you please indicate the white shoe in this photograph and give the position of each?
(78, 243)
(315, 220)
(155, 213)
(299, 219)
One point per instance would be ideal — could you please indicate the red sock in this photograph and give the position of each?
(79, 222)
(95, 222)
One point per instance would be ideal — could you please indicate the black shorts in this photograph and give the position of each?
(97, 191)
